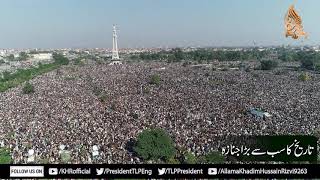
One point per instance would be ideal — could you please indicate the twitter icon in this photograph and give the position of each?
(162, 171)
(99, 171)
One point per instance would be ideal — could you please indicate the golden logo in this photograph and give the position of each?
(293, 24)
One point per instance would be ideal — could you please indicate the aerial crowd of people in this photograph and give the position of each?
(194, 105)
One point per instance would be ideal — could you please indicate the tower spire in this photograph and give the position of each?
(115, 53)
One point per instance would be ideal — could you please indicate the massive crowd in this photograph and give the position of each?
(193, 104)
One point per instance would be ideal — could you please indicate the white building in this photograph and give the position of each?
(42, 56)
(16, 55)
(3, 52)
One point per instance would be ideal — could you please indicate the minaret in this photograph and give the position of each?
(115, 53)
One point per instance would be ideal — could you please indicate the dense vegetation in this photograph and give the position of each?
(177, 55)
(155, 79)
(304, 76)
(10, 80)
(214, 157)
(28, 88)
(2, 62)
(60, 59)
(268, 65)
(5, 157)
(309, 59)
(157, 145)
(23, 56)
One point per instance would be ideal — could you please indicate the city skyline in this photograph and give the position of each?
(142, 23)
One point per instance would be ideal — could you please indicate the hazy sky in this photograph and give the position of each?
(151, 23)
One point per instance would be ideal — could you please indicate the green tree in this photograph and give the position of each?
(103, 97)
(316, 132)
(6, 75)
(65, 156)
(155, 79)
(11, 57)
(78, 61)
(23, 56)
(28, 88)
(5, 157)
(308, 60)
(173, 161)
(304, 76)
(255, 54)
(154, 144)
(220, 56)
(178, 54)
(287, 56)
(308, 64)
(146, 90)
(317, 67)
(60, 59)
(214, 157)
(190, 158)
(268, 64)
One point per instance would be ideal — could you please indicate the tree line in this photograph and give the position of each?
(177, 55)
(309, 59)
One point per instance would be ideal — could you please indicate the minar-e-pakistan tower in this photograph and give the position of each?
(115, 53)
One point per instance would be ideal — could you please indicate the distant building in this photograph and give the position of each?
(3, 53)
(42, 56)
(16, 55)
